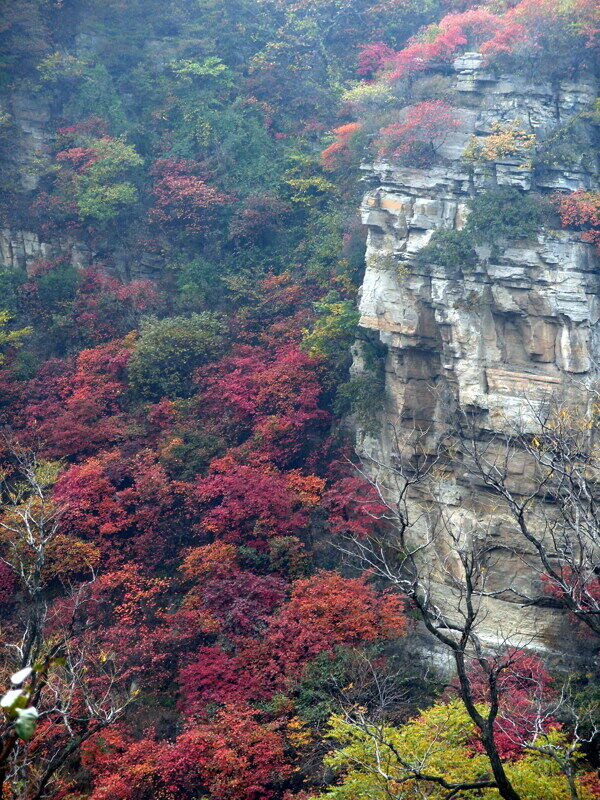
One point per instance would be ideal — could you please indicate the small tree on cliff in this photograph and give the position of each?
(417, 137)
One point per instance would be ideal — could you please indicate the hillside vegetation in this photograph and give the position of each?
(178, 486)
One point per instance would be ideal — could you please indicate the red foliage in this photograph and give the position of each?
(272, 396)
(373, 57)
(338, 153)
(125, 505)
(218, 677)
(354, 507)
(104, 307)
(531, 25)
(259, 220)
(328, 610)
(247, 504)
(53, 213)
(233, 757)
(581, 587)
(470, 28)
(182, 197)
(524, 686)
(92, 126)
(239, 601)
(422, 130)
(79, 158)
(581, 210)
(75, 409)
(546, 25)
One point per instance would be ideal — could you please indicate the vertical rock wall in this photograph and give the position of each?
(500, 337)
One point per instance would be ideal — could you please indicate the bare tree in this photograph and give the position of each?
(425, 550)
(64, 693)
(556, 511)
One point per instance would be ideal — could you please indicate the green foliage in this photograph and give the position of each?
(199, 284)
(57, 285)
(168, 351)
(104, 203)
(318, 692)
(334, 328)
(503, 213)
(115, 158)
(96, 96)
(449, 248)
(321, 250)
(188, 455)
(362, 396)
(10, 338)
(306, 184)
(431, 87)
(572, 145)
(10, 280)
(211, 67)
(438, 743)
(102, 187)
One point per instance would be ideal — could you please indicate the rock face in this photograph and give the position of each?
(499, 337)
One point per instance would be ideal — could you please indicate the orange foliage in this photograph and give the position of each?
(338, 153)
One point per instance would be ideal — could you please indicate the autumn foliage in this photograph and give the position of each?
(183, 198)
(530, 27)
(416, 139)
(178, 302)
(581, 210)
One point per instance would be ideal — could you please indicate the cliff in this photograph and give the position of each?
(496, 338)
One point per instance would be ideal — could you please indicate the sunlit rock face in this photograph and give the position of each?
(496, 339)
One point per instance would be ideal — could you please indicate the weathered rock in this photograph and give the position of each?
(503, 336)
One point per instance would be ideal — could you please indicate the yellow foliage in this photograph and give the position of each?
(372, 762)
(298, 733)
(509, 141)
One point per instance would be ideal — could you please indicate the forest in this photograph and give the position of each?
(203, 591)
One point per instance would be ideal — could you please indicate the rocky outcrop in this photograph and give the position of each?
(20, 249)
(499, 337)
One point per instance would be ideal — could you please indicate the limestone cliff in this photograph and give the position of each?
(500, 336)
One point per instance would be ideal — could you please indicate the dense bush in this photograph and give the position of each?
(416, 139)
(503, 213)
(449, 248)
(168, 352)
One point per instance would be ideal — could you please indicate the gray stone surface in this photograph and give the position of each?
(503, 336)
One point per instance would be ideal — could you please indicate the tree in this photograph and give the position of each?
(230, 757)
(432, 755)
(61, 694)
(416, 139)
(445, 569)
(182, 198)
(339, 153)
(168, 352)
(99, 172)
(10, 339)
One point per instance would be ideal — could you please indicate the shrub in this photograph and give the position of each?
(333, 329)
(505, 141)
(168, 352)
(182, 198)
(98, 173)
(449, 248)
(415, 140)
(339, 153)
(503, 213)
(362, 396)
(581, 210)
